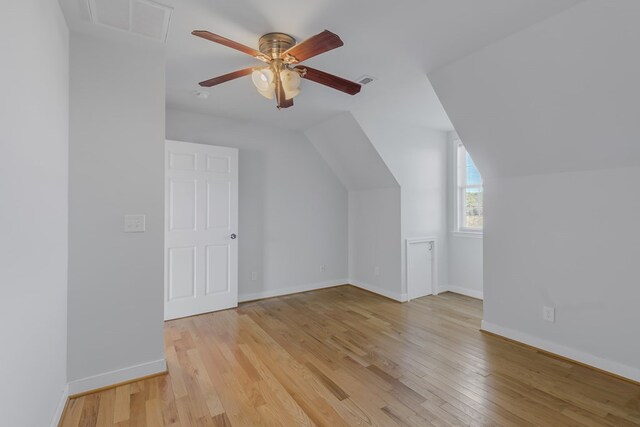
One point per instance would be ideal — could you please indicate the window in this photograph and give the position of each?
(470, 194)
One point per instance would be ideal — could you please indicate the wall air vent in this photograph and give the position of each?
(146, 18)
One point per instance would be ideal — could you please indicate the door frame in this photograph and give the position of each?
(434, 261)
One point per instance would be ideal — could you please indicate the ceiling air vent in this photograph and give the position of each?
(365, 80)
(142, 17)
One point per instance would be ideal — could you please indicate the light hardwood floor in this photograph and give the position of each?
(345, 357)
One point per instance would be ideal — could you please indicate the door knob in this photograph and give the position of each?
(233, 236)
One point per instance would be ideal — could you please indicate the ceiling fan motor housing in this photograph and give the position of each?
(274, 44)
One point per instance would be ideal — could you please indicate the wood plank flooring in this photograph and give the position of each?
(346, 357)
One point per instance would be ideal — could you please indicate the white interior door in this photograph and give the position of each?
(201, 223)
(420, 268)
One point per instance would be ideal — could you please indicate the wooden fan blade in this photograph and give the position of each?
(230, 43)
(330, 80)
(320, 43)
(283, 102)
(226, 77)
(286, 103)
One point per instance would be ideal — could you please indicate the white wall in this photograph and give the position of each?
(465, 265)
(465, 249)
(293, 209)
(417, 158)
(375, 157)
(559, 96)
(116, 168)
(375, 244)
(570, 245)
(34, 119)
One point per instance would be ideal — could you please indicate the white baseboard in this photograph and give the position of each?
(118, 376)
(291, 290)
(473, 293)
(400, 297)
(561, 350)
(64, 396)
(322, 285)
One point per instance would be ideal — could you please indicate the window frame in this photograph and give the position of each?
(460, 188)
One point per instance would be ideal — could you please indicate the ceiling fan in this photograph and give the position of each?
(281, 77)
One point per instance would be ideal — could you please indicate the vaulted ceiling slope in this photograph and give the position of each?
(349, 153)
(396, 42)
(561, 95)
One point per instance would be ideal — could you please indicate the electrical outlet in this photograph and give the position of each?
(323, 267)
(254, 275)
(376, 270)
(549, 314)
(134, 223)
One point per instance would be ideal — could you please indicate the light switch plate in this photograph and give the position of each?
(549, 314)
(134, 223)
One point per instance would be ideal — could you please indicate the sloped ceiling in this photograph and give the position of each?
(347, 150)
(562, 95)
(396, 42)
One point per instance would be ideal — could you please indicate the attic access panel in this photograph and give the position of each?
(141, 17)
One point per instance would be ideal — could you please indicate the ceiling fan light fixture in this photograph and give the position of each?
(263, 79)
(269, 94)
(290, 83)
(290, 94)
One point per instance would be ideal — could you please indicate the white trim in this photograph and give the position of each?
(376, 290)
(561, 350)
(468, 234)
(434, 261)
(473, 293)
(291, 290)
(421, 239)
(118, 376)
(64, 396)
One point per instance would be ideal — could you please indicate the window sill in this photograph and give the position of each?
(468, 234)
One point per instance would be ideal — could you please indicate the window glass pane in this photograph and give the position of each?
(473, 176)
(473, 207)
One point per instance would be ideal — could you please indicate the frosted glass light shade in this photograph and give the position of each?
(290, 83)
(269, 94)
(263, 81)
(262, 78)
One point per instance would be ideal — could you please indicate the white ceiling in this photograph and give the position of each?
(568, 97)
(357, 163)
(397, 42)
